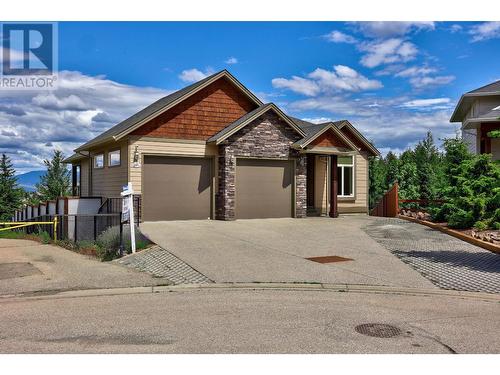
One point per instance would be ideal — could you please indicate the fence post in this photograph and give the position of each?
(122, 248)
(55, 228)
(95, 227)
(74, 229)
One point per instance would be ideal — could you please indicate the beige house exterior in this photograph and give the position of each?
(199, 144)
(479, 112)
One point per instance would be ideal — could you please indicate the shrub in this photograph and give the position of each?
(481, 225)
(108, 242)
(461, 219)
(44, 237)
(441, 213)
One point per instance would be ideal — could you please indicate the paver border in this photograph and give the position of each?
(473, 241)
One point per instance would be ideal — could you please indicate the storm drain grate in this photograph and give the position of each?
(329, 259)
(378, 330)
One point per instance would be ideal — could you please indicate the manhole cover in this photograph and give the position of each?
(329, 259)
(378, 330)
(18, 269)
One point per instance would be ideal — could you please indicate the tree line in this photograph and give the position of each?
(56, 182)
(468, 185)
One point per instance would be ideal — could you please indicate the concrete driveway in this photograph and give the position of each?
(274, 250)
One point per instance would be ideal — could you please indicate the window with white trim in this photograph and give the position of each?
(114, 158)
(345, 176)
(99, 161)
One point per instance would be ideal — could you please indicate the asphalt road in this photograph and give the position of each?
(247, 321)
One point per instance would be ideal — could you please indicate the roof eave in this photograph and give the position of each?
(458, 115)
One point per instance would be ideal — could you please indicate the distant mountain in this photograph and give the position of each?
(28, 180)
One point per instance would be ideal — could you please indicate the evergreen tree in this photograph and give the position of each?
(392, 165)
(427, 159)
(56, 182)
(407, 176)
(10, 193)
(376, 176)
(456, 152)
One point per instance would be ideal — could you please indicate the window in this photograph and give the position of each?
(99, 161)
(114, 158)
(345, 176)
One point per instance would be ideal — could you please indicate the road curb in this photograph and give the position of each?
(336, 288)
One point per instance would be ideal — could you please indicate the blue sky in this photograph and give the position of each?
(393, 81)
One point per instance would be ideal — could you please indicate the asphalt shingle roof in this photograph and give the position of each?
(491, 87)
(309, 128)
(144, 113)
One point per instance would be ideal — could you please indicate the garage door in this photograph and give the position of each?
(176, 188)
(263, 188)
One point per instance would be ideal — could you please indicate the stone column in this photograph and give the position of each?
(224, 209)
(301, 187)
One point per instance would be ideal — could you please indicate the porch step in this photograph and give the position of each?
(312, 211)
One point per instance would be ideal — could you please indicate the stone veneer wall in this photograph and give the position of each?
(266, 137)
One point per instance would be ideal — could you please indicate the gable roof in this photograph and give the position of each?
(160, 106)
(312, 129)
(466, 99)
(248, 118)
(358, 135)
(312, 135)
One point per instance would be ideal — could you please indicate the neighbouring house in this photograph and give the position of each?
(215, 150)
(479, 112)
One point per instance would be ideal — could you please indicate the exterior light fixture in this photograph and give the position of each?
(136, 161)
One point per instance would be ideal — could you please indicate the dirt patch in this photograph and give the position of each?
(17, 269)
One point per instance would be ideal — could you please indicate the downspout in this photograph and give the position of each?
(90, 172)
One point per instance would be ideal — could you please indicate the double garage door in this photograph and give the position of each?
(180, 188)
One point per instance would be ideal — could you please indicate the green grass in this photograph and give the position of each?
(12, 235)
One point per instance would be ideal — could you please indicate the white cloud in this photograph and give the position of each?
(232, 60)
(387, 52)
(81, 108)
(455, 28)
(317, 120)
(50, 101)
(484, 31)
(419, 103)
(390, 124)
(425, 81)
(387, 29)
(297, 84)
(340, 106)
(400, 129)
(14, 55)
(339, 37)
(341, 78)
(194, 75)
(416, 71)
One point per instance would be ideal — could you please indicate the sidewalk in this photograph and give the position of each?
(28, 266)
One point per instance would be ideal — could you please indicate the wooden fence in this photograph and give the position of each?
(388, 206)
